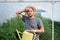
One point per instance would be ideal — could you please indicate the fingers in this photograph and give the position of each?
(27, 9)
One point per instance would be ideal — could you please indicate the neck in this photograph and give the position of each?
(31, 17)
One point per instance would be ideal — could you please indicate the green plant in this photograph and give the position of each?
(8, 29)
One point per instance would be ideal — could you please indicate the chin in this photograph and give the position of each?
(30, 16)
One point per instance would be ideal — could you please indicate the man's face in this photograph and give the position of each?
(29, 12)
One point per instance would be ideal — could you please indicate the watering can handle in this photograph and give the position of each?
(18, 34)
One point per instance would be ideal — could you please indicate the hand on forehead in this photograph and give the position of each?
(27, 8)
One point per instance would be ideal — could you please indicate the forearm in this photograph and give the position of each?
(39, 31)
(19, 13)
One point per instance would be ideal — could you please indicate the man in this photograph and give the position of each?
(31, 22)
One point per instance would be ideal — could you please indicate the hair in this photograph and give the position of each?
(33, 8)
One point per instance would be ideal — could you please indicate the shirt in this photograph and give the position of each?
(34, 23)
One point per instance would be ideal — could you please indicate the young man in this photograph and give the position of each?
(31, 22)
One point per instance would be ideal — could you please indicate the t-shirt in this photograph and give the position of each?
(34, 23)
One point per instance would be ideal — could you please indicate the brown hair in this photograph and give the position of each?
(33, 8)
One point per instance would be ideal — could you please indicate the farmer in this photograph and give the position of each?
(31, 22)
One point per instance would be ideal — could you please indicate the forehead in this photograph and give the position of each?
(30, 9)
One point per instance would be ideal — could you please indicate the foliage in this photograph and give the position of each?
(57, 30)
(8, 29)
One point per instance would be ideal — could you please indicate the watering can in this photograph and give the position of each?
(26, 35)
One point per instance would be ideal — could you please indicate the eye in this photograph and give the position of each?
(27, 11)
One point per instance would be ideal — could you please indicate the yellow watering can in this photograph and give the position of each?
(26, 35)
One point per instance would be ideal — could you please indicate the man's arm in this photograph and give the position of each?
(41, 30)
(19, 13)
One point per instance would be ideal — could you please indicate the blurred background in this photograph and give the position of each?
(9, 21)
